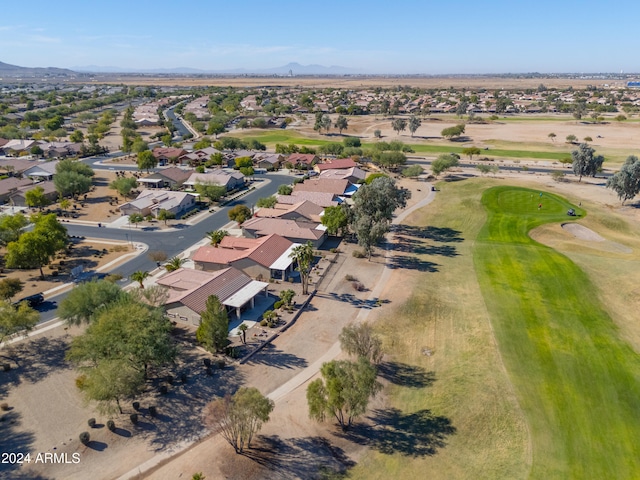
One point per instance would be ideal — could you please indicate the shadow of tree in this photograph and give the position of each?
(12, 439)
(296, 458)
(179, 414)
(33, 361)
(438, 234)
(406, 375)
(390, 431)
(409, 262)
(274, 357)
(356, 302)
(97, 446)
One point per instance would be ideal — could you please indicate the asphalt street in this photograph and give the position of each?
(172, 242)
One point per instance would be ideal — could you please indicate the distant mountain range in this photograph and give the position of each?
(294, 68)
(7, 70)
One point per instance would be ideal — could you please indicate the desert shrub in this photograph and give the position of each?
(84, 438)
(136, 406)
(80, 380)
(263, 323)
(358, 254)
(111, 425)
(350, 278)
(153, 411)
(91, 422)
(170, 379)
(4, 407)
(207, 362)
(208, 371)
(163, 389)
(221, 363)
(6, 367)
(134, 418)
(334, 250)
(278, 304)
(358, 286)
(183, 378)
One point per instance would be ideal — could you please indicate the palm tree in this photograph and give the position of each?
(243, 329)
(216, 236)
(174, 264)
(303, 254)
(140, 276)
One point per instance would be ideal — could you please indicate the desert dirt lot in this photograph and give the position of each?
(360, 82)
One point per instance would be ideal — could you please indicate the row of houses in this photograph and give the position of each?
(20, 147)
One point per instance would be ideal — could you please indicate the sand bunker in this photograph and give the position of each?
(584, 233)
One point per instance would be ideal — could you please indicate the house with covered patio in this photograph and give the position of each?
(189, 290)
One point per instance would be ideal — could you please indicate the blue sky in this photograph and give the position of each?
(405, 36)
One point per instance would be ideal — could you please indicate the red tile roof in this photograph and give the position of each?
(337, 164)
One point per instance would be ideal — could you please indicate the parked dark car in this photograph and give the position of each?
(32, 300)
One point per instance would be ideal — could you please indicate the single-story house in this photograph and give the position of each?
(322, 199)
(268, 161)
(326, 185)
(353, 174)
(230, 180)
(171, 177)
(260, 258)
(19, 197)
(189, 290)
(304, 211)
(9, 186)
(16, 166)
(197, 157)
(41, 171)
(303, 160)
(15, 147)
(166, 155)
(335, 164)
(60, 149)
(150, 202)
(295, 231)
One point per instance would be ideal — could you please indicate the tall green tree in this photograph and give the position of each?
(124, 185)
(414, 124)
(303, 255)
(444, 162)
(146, 160)
(209, 190)
(87, 299)
(213, 332)
(360, 340)
(69, 165)
(239, 417)
(9, 287)
(399, 125)
(626, 182)
(239, 213)
(129, 331)
(111, 381)
(336, 219)
(36, 248)
(452, 132)
(471, 151)
(36, 197)
(70, 183)
(342, 123)
(11, 227)
(343, 391)
(372, 211)
(585, 161)
(18, 319)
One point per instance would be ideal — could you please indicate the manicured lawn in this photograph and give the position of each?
(576, 380)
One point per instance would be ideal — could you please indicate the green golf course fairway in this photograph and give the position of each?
(576, 380)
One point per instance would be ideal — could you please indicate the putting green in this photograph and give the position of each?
(576, 380)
